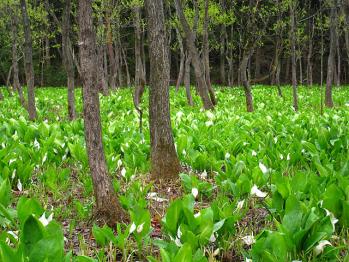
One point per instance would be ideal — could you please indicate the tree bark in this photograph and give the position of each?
(197, 64)
(15, 71)
(346, 27)
(331, 56)
(101, 75)
(206, 55)
(164, 160)
(339, 72)
(68, 59)
(187, 79)
(182, 60)
(245, 82)
(310, 53)
(139, 73)
(293, 54)
(108, 207)
(110, 47)
(28, 58)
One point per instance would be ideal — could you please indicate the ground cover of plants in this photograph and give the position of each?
(272, 185)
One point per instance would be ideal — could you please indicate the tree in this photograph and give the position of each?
(202, 86)
(15, 71)
(164, 160)
(293, 5)
(108, 207)
(68, 59)
(331, 56)
(28, 57)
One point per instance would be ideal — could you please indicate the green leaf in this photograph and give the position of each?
(184, 254)
(32, 233)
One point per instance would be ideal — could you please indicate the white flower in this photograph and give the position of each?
(275, 140)
(179, 114)
(178, 242)
(320, 247)
(248, 259)
(140, 228)
(240, 204)
(254, 153)
(212, 238)
(123, 172)
(269, 119)
(263, 168)
(133, 228)
(257, 192)
(179, 232)
(288, 157)
(14, 234)
(334, 220)
(11, 161)
(13, 174)
(153, 196)
(281, 156)
(197, 214)
(209, 123)
(36, 144)
(203, 175)
(45, 221)
(184, 152)
(249, 240)
(347, 104)
(3, 145)
(227, 155)
(119, 163)
(19, 185)
(194, 192)
(210, 115)
(44, 158)
(216, 252)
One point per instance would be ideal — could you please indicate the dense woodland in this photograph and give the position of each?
(174, 130)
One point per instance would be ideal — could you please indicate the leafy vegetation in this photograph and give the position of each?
(268, 186)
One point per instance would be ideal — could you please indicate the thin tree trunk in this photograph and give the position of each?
(202, 86)
(310, 53)
(16, 84)
(68, 59)
(108, 207)
(293, 54)
(206, 55)
(245, 82)
(139, 74)
(8, 85)
(164, 160)
(231, 59)
(346, 27)
(182, 60)
(110, 47)
(338, 62)
(258, 64)
(187, 79)
(28, 57)
(128, 78)
(331, 56)
(222, 55)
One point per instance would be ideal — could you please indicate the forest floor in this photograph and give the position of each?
(272, 185)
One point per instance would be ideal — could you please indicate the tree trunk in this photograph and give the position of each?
(293, 54)
(16, 84)
(230, 59)
(108, 207)
(197, 64)
(128, 78)
(346, 27)
(258, 64)
(222, 55)
(68, 59)
(310, 53)
(338, 82)
(28, 58)
(206, 55)
(110, 47)
(187, 79)
(331, 56)
(182, 60)
(164, 160)
(139, 74)
(101, 75)
(245, 82)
